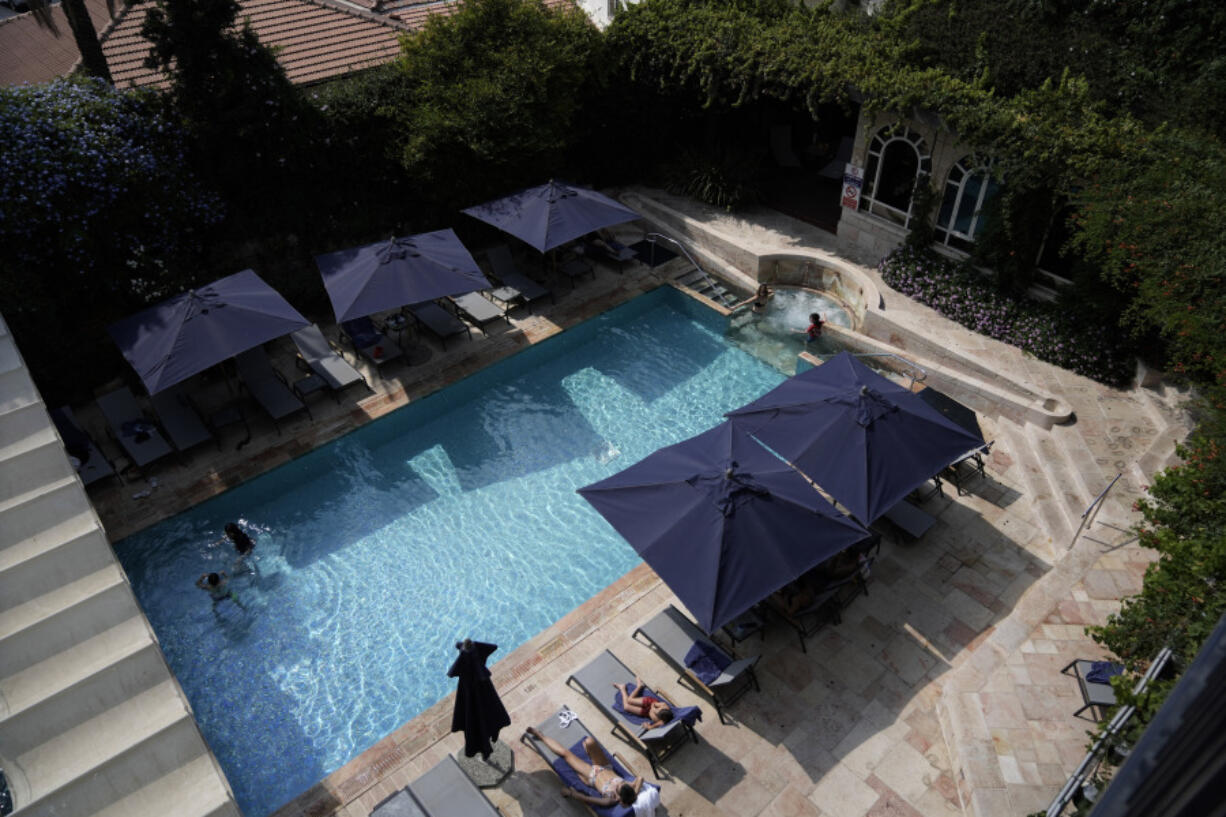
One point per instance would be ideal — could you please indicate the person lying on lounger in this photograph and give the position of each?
(600, 776)
(644, 707)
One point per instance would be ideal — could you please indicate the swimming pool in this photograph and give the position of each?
(454, 516)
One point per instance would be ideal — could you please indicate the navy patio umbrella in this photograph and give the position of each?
(552, 214)
(479, 712)
(722, 521)
(387, 274)
(867, 441)
(186, 334)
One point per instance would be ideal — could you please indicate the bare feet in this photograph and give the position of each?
(566, 792)
(532, 731)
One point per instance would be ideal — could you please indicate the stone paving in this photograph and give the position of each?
(938, 694)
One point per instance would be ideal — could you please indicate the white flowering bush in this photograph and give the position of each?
(1041, 329)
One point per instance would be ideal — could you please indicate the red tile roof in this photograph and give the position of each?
(31, 52)
(315, 39)
(415, 12)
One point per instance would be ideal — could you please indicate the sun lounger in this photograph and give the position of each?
(93, 465)
(596, 681)
(443, 791)
(400, 804)
(571, 736)
(441, 323)
(268, 386)
(709, 667)
(478, 311)
(318, 353)
(180, 418)
(607, 250)
(369, 342)
(516, 287)
(135, 432)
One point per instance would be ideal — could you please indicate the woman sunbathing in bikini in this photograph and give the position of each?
(598, 774)
(644, 707)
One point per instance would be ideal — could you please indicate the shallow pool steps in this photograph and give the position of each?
(698, 281)
(91, 720)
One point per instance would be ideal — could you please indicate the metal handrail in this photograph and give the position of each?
(1091, 511)
(1121, 718)
(652, 237)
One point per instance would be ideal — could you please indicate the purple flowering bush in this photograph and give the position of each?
(99, 216)
(1041, 329)
(92, 179)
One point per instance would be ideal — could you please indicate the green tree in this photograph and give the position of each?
(1151, 216)
(492, 96)
(249, 125)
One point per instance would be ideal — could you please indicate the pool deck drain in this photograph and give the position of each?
(940, 692)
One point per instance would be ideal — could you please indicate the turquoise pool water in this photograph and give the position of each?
(454, 516)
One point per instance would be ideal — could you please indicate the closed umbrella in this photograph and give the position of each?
(389, 274)
(722, 521)
(186, 334)
(867, 441)
(551, 214)
(479, 712)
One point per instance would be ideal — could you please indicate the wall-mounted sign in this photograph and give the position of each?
(853, 180)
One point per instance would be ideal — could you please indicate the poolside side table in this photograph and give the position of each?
(308, 385)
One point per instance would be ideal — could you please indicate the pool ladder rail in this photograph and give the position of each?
(696, 278)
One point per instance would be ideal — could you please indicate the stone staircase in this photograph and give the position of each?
(1059, 471)
(91, 720)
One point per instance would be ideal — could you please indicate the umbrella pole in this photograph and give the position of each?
(486, 774)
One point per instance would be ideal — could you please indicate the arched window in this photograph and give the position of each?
(969, 187)
(896, 160)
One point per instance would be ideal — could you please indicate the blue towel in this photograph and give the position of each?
(707, 661)
(686, 714)
(1101, 672)
(571, 778)
(138, 429)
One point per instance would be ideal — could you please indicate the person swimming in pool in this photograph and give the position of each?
(815, 327)
(244, 546)
(600, 775)
(644, 706)
(218, 587)
(762, 298)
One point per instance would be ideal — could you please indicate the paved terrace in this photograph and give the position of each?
(939, 694)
